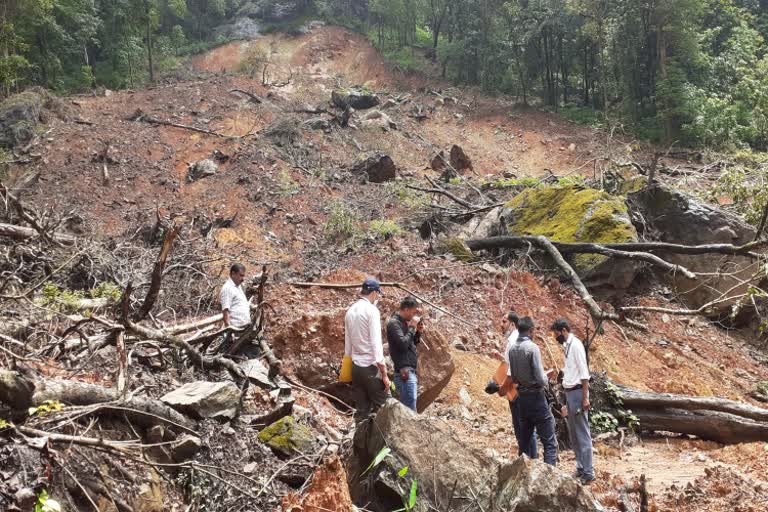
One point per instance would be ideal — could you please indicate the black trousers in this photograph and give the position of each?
(368, 389)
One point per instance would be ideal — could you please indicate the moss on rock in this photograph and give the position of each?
(571, 214)
(457, 247)
(287, 436)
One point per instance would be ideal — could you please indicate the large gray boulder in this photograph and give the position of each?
(447, 468)
(205, 399)
(668, 215)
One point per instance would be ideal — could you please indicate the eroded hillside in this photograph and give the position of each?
(283, 196)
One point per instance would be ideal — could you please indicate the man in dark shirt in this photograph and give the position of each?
(403, 333)
(526, 370)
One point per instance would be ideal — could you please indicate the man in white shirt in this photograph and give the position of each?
(576, 385)
(234, 304)
(362, 342)
(509, 325)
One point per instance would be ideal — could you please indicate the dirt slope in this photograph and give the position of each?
(274, 202)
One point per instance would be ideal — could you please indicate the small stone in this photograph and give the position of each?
(249, 469)
(572, 147)
(464, 396)
(186, 448)
(665, 318)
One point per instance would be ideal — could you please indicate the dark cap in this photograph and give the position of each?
(371, 285)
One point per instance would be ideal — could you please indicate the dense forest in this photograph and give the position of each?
(686, 72)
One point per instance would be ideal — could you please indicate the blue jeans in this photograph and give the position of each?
(528, 447)
(536, 415)
(407, 389)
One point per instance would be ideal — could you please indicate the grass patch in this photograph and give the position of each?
(286, 185)
(583, 115)
(507, 183)
(342, 225)
(384, 229)
(406, 196)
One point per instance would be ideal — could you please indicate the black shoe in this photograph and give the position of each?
(578, 474)
(586, 480)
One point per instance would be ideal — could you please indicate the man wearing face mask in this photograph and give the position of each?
(576, 385)
(362, 342)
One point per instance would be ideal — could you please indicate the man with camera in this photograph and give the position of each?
(509, 325)
(576, 386)
(404, 330)
(526, 370)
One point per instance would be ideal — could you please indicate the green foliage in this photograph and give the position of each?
(384, 229)
(603, 422)
(342, 224)
(403, 471)
(378, 459)
(5, 424)
(583, 115)
(46, 407)
(60, 299)
(287, 186)
(45, 503)
(106, 290)
(405, 196)
(516, 183)
(614, 394)
(746, 187)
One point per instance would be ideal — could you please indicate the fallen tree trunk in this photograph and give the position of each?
(21, 392)
(24, 233)
(714, 419)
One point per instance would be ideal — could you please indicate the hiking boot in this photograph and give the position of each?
(586, 480)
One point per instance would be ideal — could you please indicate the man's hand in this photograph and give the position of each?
(385, 380)
(404, 374)
(564, 411)
(585, 403)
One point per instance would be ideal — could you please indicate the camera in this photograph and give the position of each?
(492, 387)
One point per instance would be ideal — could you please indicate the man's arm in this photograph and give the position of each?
(347, 347)
(226, 302)
(583, 369)
(374, 324)
(397, 337)
(537, 367)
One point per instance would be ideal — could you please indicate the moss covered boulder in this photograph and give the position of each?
(575, 214)
(19, 114)
(286, 436)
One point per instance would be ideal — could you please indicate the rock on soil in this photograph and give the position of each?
(669, 215)
(378, 119)
(573, 214)
(459, 160)
(286, 436)
(377, 167)
(201, 169)
(436, 455)
(205, 399)
(357, 99)
(19, 114)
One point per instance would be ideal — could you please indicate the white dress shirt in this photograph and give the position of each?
(362, 334)
(233, 299)
(510, 341)
(576, 368)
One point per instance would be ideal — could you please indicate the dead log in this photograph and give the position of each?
(21, 392)
(24, 233)
(157, 273)
(714, 419)
(517, 242)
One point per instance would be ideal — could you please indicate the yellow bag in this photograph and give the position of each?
(346, 369)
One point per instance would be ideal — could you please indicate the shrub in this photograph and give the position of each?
(384, 229)
(341, 224)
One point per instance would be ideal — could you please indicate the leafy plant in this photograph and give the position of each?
(46, 407)
(45, 503)
(384, 228)
(383, 454)
(286, 184)
(747, 188)
(341, 224)
(614, 394)
(602, 422)
(629, 419)
(5, 424)
(519, 183)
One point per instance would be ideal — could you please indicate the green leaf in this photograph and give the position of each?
(412, 496)
(403, 472)
(383, 453)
